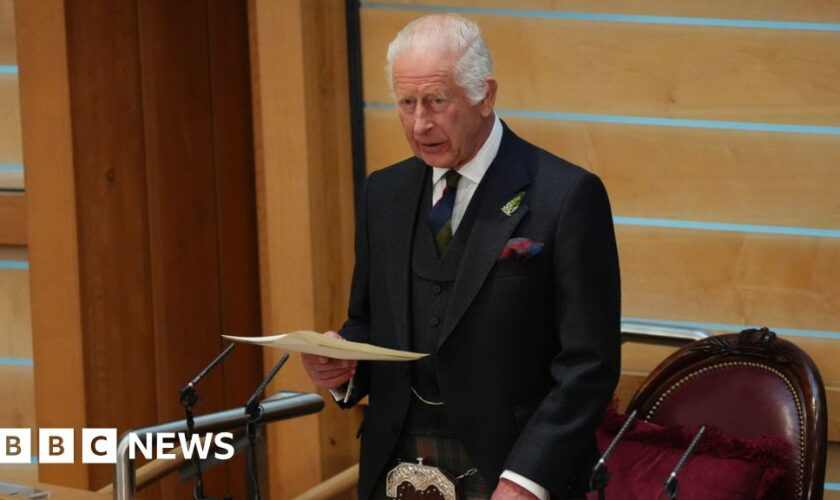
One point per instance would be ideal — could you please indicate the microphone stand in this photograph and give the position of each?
(189, 398)
(600, 475)
(254, 410)
(671, 484)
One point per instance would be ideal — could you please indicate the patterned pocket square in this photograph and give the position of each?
(520, 249)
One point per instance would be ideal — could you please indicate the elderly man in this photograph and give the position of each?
(498, 259)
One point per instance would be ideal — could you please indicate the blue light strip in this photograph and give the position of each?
(672, 122)
(14, 264)
(653, 121)
(832, 486)
(609, 18)
(15, 362)
(11, 167)
(379, 105)
(793, 332)
(8, 69)
(724, 226)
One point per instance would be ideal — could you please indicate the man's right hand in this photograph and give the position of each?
(328, 373)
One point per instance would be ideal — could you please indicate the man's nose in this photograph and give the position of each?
(422, 121)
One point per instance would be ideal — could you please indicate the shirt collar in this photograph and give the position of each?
(475, 169)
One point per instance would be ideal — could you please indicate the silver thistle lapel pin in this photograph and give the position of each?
(510, 207)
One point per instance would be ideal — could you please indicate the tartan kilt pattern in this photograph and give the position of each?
(442, 452)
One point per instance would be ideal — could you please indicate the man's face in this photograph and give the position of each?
(440, 124)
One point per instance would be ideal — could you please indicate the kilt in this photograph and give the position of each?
(445, 453)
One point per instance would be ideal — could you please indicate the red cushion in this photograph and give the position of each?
(721, 468)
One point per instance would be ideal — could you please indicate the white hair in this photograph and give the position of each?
(448, 33)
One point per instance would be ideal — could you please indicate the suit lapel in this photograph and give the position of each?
(507, 176)
(402, 211)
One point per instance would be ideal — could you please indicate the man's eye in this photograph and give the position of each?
(438, 103)
(406, 102)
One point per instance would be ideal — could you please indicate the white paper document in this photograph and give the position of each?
(315, 343)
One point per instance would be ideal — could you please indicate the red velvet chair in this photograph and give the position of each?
(746, 385)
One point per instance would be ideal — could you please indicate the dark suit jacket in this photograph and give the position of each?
(529, 353)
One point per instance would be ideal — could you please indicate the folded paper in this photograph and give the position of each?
(315, 343)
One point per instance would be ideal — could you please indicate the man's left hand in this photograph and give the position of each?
(508, 490)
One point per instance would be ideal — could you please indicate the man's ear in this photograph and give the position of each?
(489, 99)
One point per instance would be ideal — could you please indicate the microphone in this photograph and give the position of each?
(252, 407)
(188, 394)
(600, 475)
(671, 484)
(189, 397)
(254, 410)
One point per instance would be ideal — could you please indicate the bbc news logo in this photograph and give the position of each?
(99, 446)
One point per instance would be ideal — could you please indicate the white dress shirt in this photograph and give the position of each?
(471, 174)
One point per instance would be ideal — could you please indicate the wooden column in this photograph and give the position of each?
(305, 199)
(61, 392)
(143, 246)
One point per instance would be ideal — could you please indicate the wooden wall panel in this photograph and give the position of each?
(833, 396)
(13, 252)
(10, 149)
(185, 171)
(642, 70)
(235, 203)
(643, 358)
(331, 202)
(54, 268)
(734, 278)
(628, 384)
(282, 182)
(15, 320)
(135, 231)
(113, 230)
(8, 54)
(306, 214)
(11, 180)
(16, 372)
(181, 197)
(832, 471)
(385, 142)
(699, 174)
(12, 218)
(753, 177)
(17, 389)
(818, 11)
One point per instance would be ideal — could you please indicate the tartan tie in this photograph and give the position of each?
(440, 216)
